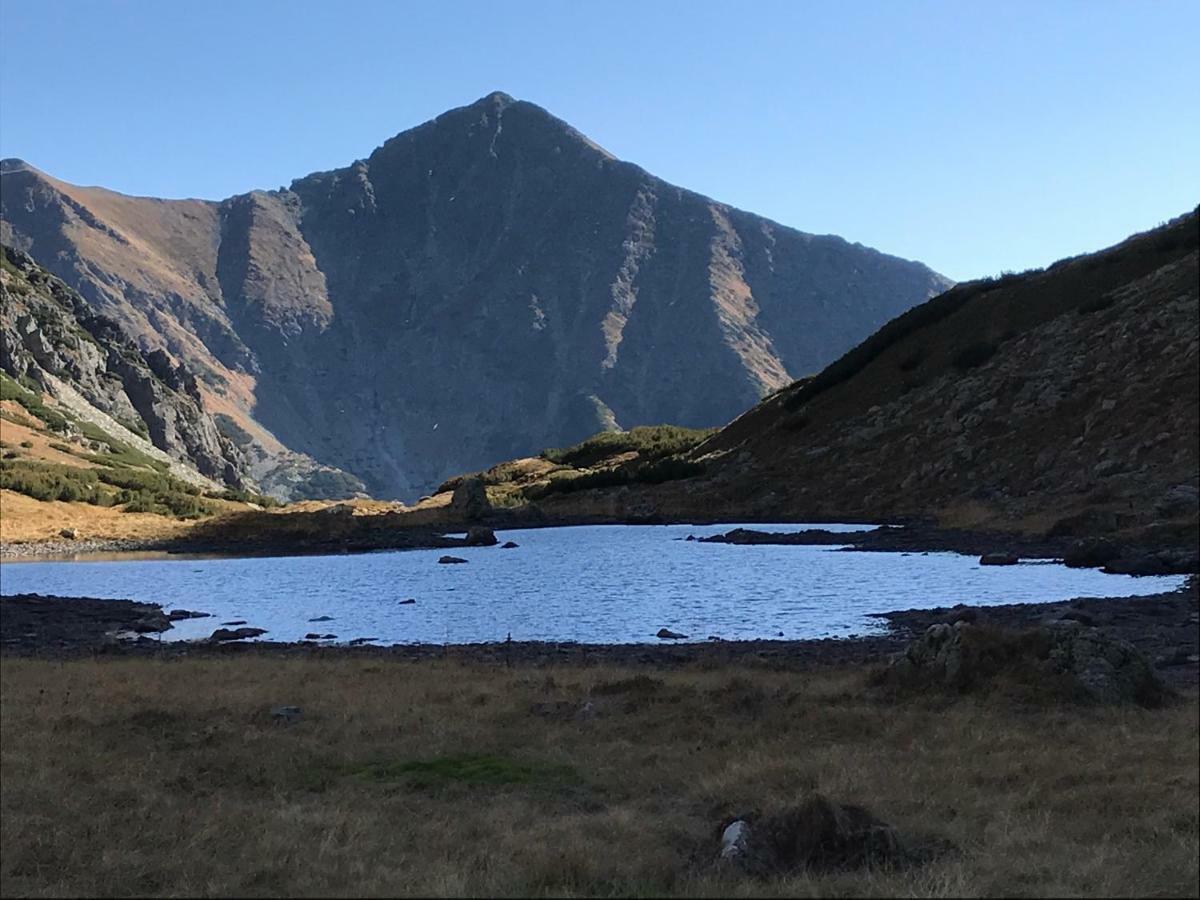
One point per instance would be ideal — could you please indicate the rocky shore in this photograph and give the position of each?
(1110, 555)
(30, 550)
(1166, 627)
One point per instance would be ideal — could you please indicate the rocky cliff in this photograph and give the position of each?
(479, 287)
(53, 343)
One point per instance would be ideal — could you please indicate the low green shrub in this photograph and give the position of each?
(32, 401)
(649, 441)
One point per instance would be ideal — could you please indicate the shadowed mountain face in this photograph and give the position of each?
(1063, 402)
(481, 286)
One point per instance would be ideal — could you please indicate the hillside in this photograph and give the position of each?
(98, 437)
(1061, 402)
(481, 286)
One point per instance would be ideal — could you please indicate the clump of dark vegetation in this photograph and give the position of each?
(1040, 666)
(231, 429)
(46, 481)
(328, 484)
(32, 401)
(648, 441)
(655, 471)
(239, 495)
(138, 490)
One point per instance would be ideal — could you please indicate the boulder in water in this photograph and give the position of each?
(481, 537)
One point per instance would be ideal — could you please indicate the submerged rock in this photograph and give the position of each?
(322, 619)
(668, 635)
(509, 545)
(451, 560)
(999, 559)
(235, 634)
(176, 615)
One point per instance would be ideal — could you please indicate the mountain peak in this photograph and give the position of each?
(495, 98)
(12, 164)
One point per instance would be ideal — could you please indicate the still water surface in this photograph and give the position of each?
(594, 584)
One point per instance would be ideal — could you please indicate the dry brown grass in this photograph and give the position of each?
(23, 519)
(143, 776)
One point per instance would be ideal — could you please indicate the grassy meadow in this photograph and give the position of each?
(143, 776)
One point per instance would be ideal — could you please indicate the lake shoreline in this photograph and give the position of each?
(1164, 626)
(886, 537)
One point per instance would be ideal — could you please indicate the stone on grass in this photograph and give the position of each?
(816, 834)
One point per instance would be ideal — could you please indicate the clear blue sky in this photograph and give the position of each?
(975, 136)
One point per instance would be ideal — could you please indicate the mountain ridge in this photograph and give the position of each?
(484, 284)
(1060, 402)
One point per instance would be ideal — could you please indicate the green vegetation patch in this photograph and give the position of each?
(137, 489)
(11, 390)
(469, 769)
(237, 495)
(656, 471)
(119, 453)
(649, 441)
(47, 481)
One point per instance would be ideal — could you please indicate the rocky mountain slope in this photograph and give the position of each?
(1062, 402)
(479, 287)
(54, 344)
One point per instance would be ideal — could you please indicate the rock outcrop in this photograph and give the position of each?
(54, 343)
(1063, 660)
(479, 287)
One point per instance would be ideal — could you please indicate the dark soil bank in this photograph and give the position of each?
(1166, 627)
